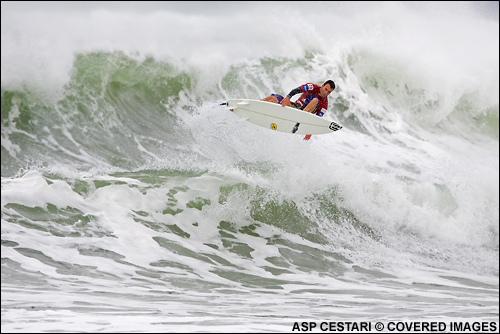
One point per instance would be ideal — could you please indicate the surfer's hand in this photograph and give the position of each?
(307, 137)
(285, 102)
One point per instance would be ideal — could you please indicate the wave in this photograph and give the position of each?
(120, 114)
(116, 109)
(417, 158)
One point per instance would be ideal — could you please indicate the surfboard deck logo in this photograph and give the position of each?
(335, 127)
(279, 118)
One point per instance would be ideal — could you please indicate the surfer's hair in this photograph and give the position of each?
(331, 83)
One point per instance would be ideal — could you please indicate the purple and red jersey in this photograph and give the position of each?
(311, 91)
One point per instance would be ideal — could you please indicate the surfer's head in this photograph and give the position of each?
(327, 88)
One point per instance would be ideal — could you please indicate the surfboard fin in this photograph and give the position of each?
(231, 108)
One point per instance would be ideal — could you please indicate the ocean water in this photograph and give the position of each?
(133, 202)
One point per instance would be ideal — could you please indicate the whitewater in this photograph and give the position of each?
(132, 201)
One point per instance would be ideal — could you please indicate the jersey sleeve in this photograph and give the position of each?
(308, 86)
(302, 89)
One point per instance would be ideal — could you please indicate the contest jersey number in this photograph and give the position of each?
(274, 126)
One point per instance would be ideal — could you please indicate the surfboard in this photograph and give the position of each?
(284, 119)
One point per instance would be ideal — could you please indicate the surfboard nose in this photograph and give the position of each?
(334, 126)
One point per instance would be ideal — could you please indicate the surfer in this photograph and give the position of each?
(314, 98)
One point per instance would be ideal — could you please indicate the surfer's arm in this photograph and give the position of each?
(294, 92)
(286, 100)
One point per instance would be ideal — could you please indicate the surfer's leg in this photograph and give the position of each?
(274, 98)
(311, 106)
(270, 99)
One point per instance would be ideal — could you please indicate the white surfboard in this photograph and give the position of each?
(285, 119)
